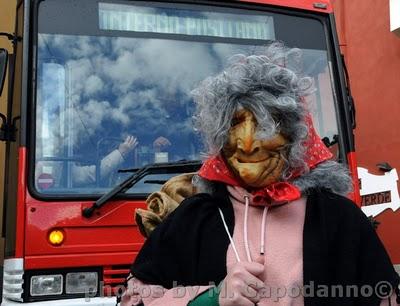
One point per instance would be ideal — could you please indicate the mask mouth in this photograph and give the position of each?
(246, 161)
(266, 160)
(254, 178)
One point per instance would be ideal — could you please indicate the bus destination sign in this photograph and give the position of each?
(118, 17)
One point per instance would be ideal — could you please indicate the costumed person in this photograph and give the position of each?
(270, 224)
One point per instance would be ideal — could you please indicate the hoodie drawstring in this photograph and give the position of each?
(263, 230)
(245, 233)
(246, 240)
(229, 235)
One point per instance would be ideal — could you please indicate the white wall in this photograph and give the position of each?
(395, 16)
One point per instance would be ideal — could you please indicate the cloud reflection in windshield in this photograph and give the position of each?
(115, 87)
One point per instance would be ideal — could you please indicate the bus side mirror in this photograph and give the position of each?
(3, 67)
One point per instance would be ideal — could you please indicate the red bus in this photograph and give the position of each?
(87, 78)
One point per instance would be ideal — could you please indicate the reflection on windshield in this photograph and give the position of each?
(108, 103)
(95, 92)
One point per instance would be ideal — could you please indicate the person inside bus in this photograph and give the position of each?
(84, 175)
(272, 225)
(87, 174)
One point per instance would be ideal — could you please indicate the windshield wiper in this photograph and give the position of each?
(158, 168)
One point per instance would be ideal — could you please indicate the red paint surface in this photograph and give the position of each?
(110, 236)
(372, 55)
(297, 4)
(373, 60)
(79, 260)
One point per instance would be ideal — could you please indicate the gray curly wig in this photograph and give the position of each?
(270, 86)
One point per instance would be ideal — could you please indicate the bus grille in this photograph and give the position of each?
(114, 278)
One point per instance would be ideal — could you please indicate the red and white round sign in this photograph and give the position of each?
(45, 181)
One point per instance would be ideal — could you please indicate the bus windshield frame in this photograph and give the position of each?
(55, 27)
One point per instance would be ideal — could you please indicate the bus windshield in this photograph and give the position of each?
(114, 82)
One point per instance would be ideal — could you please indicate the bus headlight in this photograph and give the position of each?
(46, 285)
(81, 282)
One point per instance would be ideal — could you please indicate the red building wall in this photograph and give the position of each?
(372, 55)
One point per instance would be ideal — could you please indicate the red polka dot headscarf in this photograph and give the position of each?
(316, 151)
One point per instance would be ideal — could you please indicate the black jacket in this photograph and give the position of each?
(340, 247)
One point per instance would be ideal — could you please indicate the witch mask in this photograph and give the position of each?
(255, 161)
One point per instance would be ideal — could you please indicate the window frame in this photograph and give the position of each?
(323, 18)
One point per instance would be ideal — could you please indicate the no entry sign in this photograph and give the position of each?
(45, 181)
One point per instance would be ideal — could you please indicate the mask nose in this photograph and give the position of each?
(247, 144)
